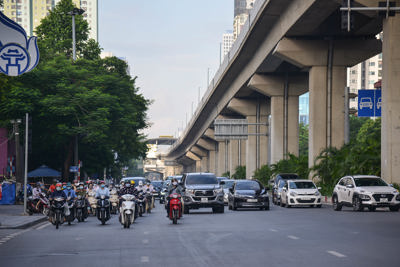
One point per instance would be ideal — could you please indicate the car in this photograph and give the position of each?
(202, 190)
(360, 191)
(177, 177)
(366, 102)
(222, 178)
(300, 193)
(248, 194)
(275, 185)
(157, 185)
(228, 184)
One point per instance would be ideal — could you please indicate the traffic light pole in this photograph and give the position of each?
(26, 160)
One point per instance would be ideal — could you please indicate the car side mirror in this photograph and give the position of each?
(222, 183)
(391, 185)
(350, 186)
(319, 188)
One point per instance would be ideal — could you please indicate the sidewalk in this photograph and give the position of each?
(11, 217)
(327, 200)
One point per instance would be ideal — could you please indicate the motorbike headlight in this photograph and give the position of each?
(103, 196)
(79, 197)
(293, 194)
(364, 197)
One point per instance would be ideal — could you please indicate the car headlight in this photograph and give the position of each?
(398, 197)
(316, 193)
(364, 197)
(293, 194)
(190, 191)
(217, 191)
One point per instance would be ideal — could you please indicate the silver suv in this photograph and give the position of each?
(362, 191)
(202, 190)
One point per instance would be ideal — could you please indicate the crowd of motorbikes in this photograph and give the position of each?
(59, 209)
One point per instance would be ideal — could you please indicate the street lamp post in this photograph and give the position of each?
(73, 13)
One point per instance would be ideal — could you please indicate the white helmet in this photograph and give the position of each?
(140, 183)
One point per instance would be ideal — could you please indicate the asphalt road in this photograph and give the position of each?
(278, 237)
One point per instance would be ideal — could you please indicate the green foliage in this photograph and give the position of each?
(303, 139)
(240, 172)
(397, 186)
(226, 174)
(293, 164)
(263, 174)
(362, 156)
(355, 124)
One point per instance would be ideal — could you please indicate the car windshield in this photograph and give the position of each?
(301, 185)
(369, 182)
(201, 179)
(248, 185)
(228, 183)
(156, 183)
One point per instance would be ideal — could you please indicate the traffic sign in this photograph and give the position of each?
(369, 103)
(73, 169)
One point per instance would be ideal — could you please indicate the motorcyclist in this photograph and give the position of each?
(70, 192)
(81, 191)
(102, 190)
(57, 193)
(37, 190)
(174, 187)
(140, 187)
(149, 189)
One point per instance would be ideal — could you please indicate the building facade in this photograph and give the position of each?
(29, 13)
(227, 42)
(241, 13)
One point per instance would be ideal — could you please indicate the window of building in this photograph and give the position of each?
(380, 64)
(380, 56)
(380, 73)
(353, 81)
(371, 64)
(354, 72)
(371, 73)
(371, 82)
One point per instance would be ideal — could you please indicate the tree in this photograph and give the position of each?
(263, 174)
(240, 172)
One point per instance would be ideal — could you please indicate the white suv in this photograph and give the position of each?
(300, 193)
(362, 191)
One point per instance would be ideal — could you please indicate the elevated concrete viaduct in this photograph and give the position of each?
(289, 47)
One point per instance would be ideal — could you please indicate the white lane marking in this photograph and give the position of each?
(273, 230)
(144, 259)
(293, 237)
(6, 238)
(146, 233)
(145, 241)
(335, 253)
(43, 226)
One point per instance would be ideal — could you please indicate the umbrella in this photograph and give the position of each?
(44, 171)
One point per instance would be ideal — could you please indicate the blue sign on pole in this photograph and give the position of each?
(73, 169)
(369, 103)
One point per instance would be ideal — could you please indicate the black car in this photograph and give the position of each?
(248, 194)
(157, 185)
(202, 190)
(275, 184)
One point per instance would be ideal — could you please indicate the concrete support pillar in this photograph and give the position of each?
(211, 161)
(327, 60)
(284, 91)
(204, 164)
(223, 157)
(255, 111)
(234, 155)
(390, 133)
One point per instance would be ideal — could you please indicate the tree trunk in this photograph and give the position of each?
(68, 160)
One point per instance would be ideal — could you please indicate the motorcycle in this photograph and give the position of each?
(114, 203)
(149, 201)
(71, 207)
(103, 209)
(141, 203)
(42, 205)
(81, 209)
(175, 207)
(92, 202)
(127, 210)
(57, 210)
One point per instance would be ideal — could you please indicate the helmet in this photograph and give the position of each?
(38, 184)
(132, 181)
(58, 186)
(140, 183)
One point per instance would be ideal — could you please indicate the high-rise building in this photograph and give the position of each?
(241, 13)
(304, 108)
(29, 13)
(227, 42)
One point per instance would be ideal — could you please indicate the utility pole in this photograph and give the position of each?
(26, 160)
(17, 154)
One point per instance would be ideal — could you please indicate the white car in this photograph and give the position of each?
(300, 193)
(362, 191)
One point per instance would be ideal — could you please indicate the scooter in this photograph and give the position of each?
(93, 202)
(127, 210)
(103, 209)
(114, 203)
(175, 207)
(42, 205)
(57, 211)
(149, 201)
(81, 209)
(71, 206)
(141, 203)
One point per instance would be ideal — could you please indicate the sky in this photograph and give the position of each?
(169, 45)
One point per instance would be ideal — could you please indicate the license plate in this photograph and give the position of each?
(306, 198)
(384, 200)
(204, 199)
(252, 200)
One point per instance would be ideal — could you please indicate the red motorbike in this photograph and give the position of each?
(175, 207)
(41, 205)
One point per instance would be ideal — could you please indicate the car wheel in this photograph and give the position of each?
(221, 209)
(336, 205)
(267, 207)
(357, 206)
(319, 206)
(371, 208)
(234, 206)
(281, 203)
(395, 208)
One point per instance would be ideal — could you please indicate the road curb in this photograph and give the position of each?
(25, 225)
